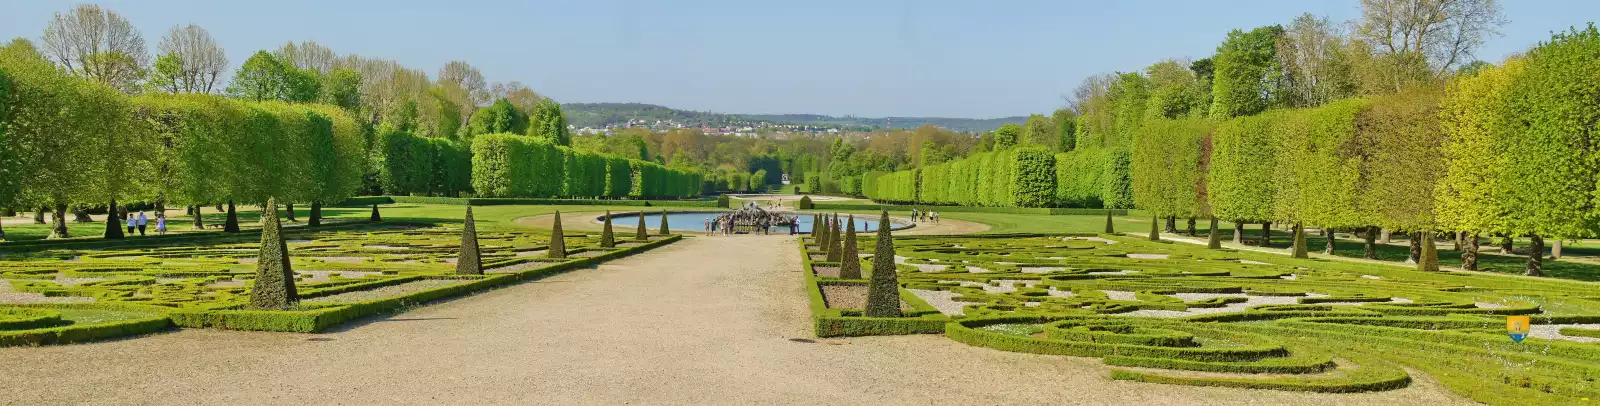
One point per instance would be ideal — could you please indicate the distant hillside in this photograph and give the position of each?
(607, 114)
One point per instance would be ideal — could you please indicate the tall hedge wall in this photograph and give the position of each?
(409, 164)
(509, 165)
(1017, 177)
(1167, 177)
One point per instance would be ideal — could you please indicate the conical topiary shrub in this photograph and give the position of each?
(835, 252)
(558, 240)
(1214, 239)
(1429, 260)
(850, 261)
(469, 263)
(883, 292)
(664, 229)
(816, 229)
(274, 285)
(231, 224)
(375, 217)
(1300, 241)
(1109, 228)
(805, 203)
(640, 234)
(113, 226)
(607, 240)
(1155, 229)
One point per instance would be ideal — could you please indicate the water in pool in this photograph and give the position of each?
(696, 222)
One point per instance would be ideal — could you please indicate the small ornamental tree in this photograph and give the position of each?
(834, 250)
(664, 229)
(822, 228)
(231, 224)
(850, 261)
(607, 239)
(274, 286)
(1299, 241)
(1214, 239)
(1155, 229)
(883, 292)
(375, 217)
(805, 203)
(113, 227)
(558, 241)
(469, 263)
(1430, 254)
(640, 234)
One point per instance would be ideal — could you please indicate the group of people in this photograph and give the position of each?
(924, 216)
(141, 221)
(752, 217)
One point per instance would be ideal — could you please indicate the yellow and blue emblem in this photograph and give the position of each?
(1518, 327)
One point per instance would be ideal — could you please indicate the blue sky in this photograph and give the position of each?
(866, 58)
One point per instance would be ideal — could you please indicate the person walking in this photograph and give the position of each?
(142, 222)
(161, 225)
(132, 223)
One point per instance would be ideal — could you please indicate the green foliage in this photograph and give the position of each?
(1081, 177)
(558, 240)
(1015, 177)
(1244, 66)
(1318, 168)
(1244, 158)
(501, 117)
(469, 262)
(1066, 132)
(1403, 160)
(883, 292)
(1549, 184)
(664, 230)
(850, 259)
(274, 287)
(608, 239)
(1472, 120)
(1118, 192)
(549, 123)
(1168, 179)
(1132, 96)
(1007, 136)
(805, 203)
(758, 181)
(639, 233)
(264, 77)
(409, 164)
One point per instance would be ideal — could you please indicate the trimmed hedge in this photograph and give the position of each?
(370, 200)
(923, 319)
(509, 165)
(826, 206)
(1017, 177)
(409, 164)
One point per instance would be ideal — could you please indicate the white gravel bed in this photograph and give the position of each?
(1229, 308)
(7, 295)
(921, 267)
(1097, 239)
(1246, 261)
(1061, 293)
(1290, 277)
(342, 260)
(974, 269)
(1553, 331)
(1148, 256)
(942, 300)
(324, 276)
(534, 253)
(65, 281)
(1122, 272)
(1121, 295)
(1373, 277)
(1041, 269)
(1487, 305)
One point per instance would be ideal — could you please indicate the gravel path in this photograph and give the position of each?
(702, 321)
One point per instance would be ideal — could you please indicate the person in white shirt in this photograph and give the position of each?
(142, 222)
(132, 222)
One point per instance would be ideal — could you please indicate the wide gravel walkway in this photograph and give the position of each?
(703, 321)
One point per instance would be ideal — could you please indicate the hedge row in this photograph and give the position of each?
(509, 165)
(1027, 177)
(80, 333)
(323, 318)
(411, 165)
(1056, 211)
(842, 323)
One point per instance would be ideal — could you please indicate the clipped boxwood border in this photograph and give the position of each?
(1056, 211)
(481, 201)
(80, 333)
(837, 323)
(320, 319)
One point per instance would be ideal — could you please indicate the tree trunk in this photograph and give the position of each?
(231, 225)
(1238, 232)
(1535, 255)
(1266, 234)
(1214, 240)
(1469, 255)
(219, 207)
(1416, 247)
(59, 216)
(316, 215)
(1192, 231)
(2, 231)
(8, 212)
(81, 214)
(1555, 249)
(1458, 236)
(1505, 244)
(1172, 224)
(290, 208)
(1384, 237)
(38, 215)
(199, 220)
(1328, 232)
(113, 227)
(1370, 250)
(1155, 229)
(189, 210)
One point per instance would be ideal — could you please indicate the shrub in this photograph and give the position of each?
(607, 239)
(469, 263)
(274, 285)
(850, 261)
(805, 203)
(883, 294)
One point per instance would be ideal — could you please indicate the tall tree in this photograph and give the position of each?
(549, 123)
(1040, 130)
(1444, 33)
(307, 55)
(264, 77)
(1246, 72)
(1066, 122)
(198, 59)
(98, 44)
(1312, 54)
(1007, 136)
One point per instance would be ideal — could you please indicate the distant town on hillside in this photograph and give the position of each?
(601, 116)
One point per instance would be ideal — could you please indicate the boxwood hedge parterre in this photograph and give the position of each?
(1172, 313)
(58, 296)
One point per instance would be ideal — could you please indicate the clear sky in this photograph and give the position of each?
(871, 58)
